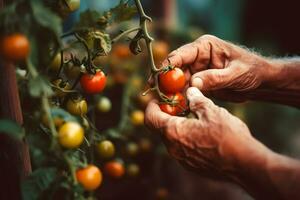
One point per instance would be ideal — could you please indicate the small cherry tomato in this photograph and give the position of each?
(104, 104)
(114, 169)
(106, 149)
(132, 149)
(60, 86)
(175, 109)
(55, 63)
(57, 121)
(70, 135)
(15, 47)
(93, 84)
(162, 193)
(145, 144)
(137, 117)
(77, 106)
(160, 51)
(121, 51)
(73, 4)
(89, 177)
(133, 170)
(172, 81)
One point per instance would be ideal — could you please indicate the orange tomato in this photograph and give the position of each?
(89, 177)
(114, 169)
(15, 47)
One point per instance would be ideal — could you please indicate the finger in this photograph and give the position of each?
(197, 101)
(154, 117)
(212, 79)
(196, 54)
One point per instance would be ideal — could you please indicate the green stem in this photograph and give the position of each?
(118, 37)
(71, 168)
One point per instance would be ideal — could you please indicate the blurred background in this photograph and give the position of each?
(269, 27)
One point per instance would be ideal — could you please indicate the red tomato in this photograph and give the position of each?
(89, 177)
(93, 83)
(172, 81)
(15, 47)
(114, 169)
(175, 109)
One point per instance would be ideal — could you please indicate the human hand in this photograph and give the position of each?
(221, 68)
(212, 144)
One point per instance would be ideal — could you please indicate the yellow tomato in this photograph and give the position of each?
(70, 135)
(137, 117)
(77, 106)
(89, 177)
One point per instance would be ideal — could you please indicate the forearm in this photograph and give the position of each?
(265, 174)
(281, 84)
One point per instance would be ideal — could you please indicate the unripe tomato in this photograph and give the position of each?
(15, 47)
(137, 117)
(89, 177)
(70, 135)
(104, 104)
(59, 83)
(93, 84)
(114, 169)
(175, 109)
(143, 100)
(77, 106)
(132, 149)
(145, 144)
(106, 149)
(55, 63)
(133, 170)
(73, 4)
(172, 81)
(160, 51)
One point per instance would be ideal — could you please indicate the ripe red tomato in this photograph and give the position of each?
(93, 83)
(15, 47)
(175, 109)
(89, 177)
(114, 169)
(172, 81)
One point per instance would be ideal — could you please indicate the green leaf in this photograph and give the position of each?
(38, 86)
(97, 41)
(45, 17)
(38, 182)
(88, 19)
(123, 12)
(11, 128)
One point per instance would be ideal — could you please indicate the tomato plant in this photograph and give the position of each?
(172, 80)
(93, 83)
(15, 47)
(89, 177)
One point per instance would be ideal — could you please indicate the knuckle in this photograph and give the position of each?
(207, 37)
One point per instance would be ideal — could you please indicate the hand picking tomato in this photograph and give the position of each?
(106, 149)
(114, 169)
(89, 177)
(15, 47)
(93, 83)
(172, 81)
(175, 109)
(77, 106)
(70, 135)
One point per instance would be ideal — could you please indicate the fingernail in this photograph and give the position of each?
(197, 82)
(193, 91)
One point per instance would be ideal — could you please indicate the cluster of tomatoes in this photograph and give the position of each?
(172, 81)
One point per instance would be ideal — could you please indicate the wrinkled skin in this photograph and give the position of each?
(198, 143)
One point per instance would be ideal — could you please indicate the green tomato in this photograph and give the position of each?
(55, 63)
(106, 149)
(132, 149)
(104, 104)
(73, 4)
(133, 170)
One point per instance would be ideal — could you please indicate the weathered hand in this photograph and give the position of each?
(222, 68)
(205, 144)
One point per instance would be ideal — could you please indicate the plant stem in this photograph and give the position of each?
(118, 37)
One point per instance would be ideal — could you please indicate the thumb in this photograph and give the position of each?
(197, 101)
(212, 79)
